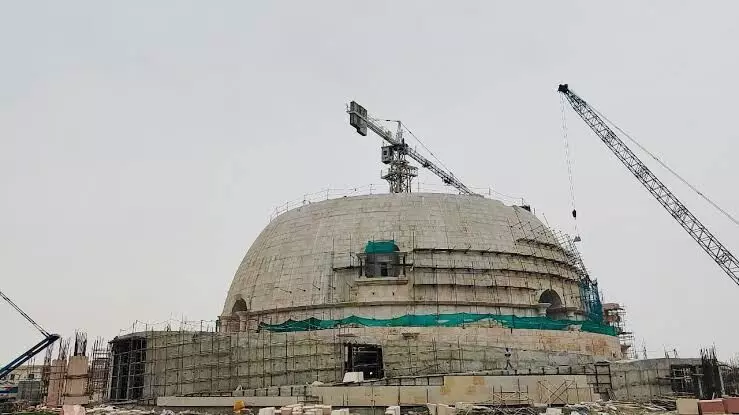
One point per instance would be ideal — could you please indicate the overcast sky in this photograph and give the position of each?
(144, 145)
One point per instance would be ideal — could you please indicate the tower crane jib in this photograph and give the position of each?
(400, 172)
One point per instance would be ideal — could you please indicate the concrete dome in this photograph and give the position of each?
(461, 254)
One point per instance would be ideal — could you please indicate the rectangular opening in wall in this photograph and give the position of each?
(127, 377)
(682, 379)
(365, 358)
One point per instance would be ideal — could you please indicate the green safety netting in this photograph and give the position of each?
(380, 247)
(591, 300)
(442, 320)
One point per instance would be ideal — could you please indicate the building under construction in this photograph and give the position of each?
(389, 285)
(407, 298)
(400, 288)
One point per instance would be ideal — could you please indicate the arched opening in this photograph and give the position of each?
(237, 321)
(382, 259)
(555, 303)
(239, 305)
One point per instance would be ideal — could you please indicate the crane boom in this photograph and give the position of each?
(48, 340)
(360, 120)
(715, 249)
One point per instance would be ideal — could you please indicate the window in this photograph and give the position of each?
(365, 358)
(382, 259)
(31, 376)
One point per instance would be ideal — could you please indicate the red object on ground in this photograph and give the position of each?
(731, 405)
(713, 406)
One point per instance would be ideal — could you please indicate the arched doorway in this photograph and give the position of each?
(555, 303)
(239, 305)
(238, 315)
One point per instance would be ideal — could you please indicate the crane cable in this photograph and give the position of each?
(569, 164)
(661, 163)
(405, 126)
(23, 313)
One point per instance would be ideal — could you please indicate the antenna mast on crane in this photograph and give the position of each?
(400, 172)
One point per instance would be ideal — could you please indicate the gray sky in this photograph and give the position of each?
(144, 145)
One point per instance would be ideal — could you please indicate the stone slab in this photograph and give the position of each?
(713, 406)
(731, 405)
(225, 401)
(687, 406)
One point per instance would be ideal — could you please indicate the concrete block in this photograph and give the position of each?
(712, 406)
(686, 406)
(353, 377)
(73, 410)
(286, 410)
(550, 411)
(731, 405)
(267, 411)
(223, 401)
(442, 409)
(392, 410)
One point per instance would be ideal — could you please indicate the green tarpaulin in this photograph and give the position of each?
(441, 320)
(380, 247)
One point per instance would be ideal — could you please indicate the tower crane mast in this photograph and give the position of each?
(400, 172)
(699, 232)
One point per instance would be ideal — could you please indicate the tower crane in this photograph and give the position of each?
(400, 172)
(48, 340)
(715, 249)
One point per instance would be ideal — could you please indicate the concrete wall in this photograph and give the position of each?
(500, 390)
(641, 380)
(75, 381)
(508, 390)
(187, 363)
(57, 375)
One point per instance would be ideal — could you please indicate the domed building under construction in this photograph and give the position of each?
(383, 271)
(399, 288)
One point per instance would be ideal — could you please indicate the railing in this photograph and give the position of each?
(375, 188)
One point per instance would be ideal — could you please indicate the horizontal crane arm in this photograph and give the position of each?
(447, 177)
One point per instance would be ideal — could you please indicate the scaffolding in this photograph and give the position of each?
(544, 242)
(468, 292)
(162, 361)
(615, 316)
(57, 374)
(46, 370)
(97, 386)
